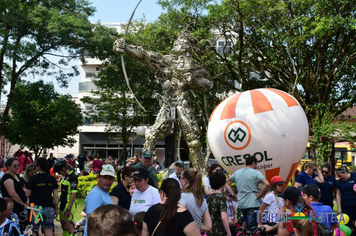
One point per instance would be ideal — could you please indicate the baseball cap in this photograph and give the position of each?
(179, 163)
(276, 179)
(141, 173)
(291, 194)
(107, 170)
(147, 154)
(312, 190)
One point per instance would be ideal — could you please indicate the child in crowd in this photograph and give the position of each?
(233, 213)
(138, 220)
(217, 206)
(111, 220)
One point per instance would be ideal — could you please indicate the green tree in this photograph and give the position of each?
(31, 32)
(41, 118)
(306, 48)
(112, 101)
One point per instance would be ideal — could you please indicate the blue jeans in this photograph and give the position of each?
(250, 217)
(46, 220)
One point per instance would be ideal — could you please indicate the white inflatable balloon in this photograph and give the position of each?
(266, 123)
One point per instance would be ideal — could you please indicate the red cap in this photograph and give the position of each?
(276, 179)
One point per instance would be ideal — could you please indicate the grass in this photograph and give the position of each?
(79, 208)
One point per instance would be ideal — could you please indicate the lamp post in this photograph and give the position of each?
(140, 131)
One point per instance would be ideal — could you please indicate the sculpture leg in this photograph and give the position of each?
(160, 129)
(191, 132)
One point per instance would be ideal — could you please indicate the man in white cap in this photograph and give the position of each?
(179, 167)
(99, 195)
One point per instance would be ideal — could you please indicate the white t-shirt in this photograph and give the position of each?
(188, 200)
(141, 201)
(273, 205)
(174, 176)
(207, 182)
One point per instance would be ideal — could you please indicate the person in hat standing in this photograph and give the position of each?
(146, 162)
(324, 213)
(145, 196)
(179, 167)
(99, 195)
(272, 203)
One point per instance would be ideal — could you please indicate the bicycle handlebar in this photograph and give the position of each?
(253, 230)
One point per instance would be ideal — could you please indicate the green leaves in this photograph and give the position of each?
(42, 118)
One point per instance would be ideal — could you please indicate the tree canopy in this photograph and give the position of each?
(42, 118)
(306, 48)
(31, 32)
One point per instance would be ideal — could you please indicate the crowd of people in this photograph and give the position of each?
(183, 204)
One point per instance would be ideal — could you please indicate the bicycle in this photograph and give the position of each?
(77, 232)
(255, 231)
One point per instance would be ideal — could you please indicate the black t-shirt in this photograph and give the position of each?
(51, 162)
(42, 187)
(124, 197)
(81, 159)
(18, 189)
(181, 220)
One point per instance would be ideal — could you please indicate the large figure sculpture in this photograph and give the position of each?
(177, 73)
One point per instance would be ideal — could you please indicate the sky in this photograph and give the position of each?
(109, 11)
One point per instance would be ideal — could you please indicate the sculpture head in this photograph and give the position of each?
(185, 43)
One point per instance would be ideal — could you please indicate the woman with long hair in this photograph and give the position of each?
(31, 169)
(311, 175)
(120, 194)
(42, 189)
(193, 199)
(207, 188)
(272, 203)
(169, 217)
(12, 187)
(327, 188)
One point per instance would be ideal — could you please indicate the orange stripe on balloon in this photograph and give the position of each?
(211, 116)
(272, 172)
(260, 102)
(291, 173)
(286, 97)
(230, 107)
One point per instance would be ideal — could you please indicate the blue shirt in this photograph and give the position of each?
(324, 214)
(326, 188)
(247, 180)
(304, 179)
(95, 199)
(348, 195)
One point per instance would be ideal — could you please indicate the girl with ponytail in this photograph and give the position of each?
(193, 198)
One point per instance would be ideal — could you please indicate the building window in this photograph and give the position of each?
(223, 47)
(89, 75)
(97, 69)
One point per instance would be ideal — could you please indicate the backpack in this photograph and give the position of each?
(323, 230)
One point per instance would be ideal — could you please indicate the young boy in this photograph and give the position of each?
(217, 206)
(324, 213)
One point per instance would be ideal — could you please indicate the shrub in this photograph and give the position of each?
(87, 183)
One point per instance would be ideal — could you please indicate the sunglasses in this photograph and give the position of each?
(16, 166)
(314, 169)
(280, 185)
(325, 172)
(230, 196)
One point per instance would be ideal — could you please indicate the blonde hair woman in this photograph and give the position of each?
(311, 175)
(193, 199)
